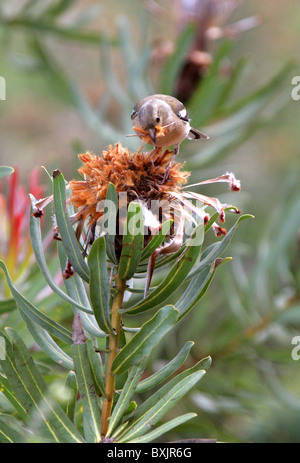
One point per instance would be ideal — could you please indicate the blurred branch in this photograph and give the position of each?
(68, 33)
(46, 20)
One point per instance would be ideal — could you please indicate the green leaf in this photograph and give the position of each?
(175, 62)
(10, 431)
(255, 101)
(31, 390)
(145, 340)
(72, 391)
(142, 409)
(47, 344)
(9, 394)
(211, 221)
(111, 217)
(99, 284)
(133, 240)
(5, 171)
(152, 416)
(197, 288)
(76, 290)
(126, 395)
(35, 315)
(162, 374)
(65, 228)
(150, 436)
(157, 240)
(96, 367)
(37, 245)
(86, 386)
(174, 278)
(7, 305)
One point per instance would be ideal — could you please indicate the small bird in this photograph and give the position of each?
(162, 120)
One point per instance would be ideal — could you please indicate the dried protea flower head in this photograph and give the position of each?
(140, 176)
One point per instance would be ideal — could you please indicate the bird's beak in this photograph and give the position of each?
(152, 133)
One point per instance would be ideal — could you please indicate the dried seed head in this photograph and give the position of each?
(140, 175)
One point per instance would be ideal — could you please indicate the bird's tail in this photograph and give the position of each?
(195, 134)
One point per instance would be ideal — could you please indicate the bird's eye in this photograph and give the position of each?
(157, 119)
(133, 114)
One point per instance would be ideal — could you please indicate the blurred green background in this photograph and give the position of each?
(74, 70)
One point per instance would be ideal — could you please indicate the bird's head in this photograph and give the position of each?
(153, 116)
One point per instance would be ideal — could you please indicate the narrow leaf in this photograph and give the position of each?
(150, 436)
(76, 290)
(174, 278)
(8, 430)
(204, 364)
(138, 428)
(99, 284)
(91, 409)
(133, 239)
(9, 394)
(146, 339)
(162, 374)
(31, 390)
(157, 240)
(35, 315)
(71, 386)
(7, 305)
(110, 226)
(47, 344)
(96, 367)
(65, 228)
(126, 395)
(5, 171)
(37, 245)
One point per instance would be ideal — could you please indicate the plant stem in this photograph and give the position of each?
(113, 350)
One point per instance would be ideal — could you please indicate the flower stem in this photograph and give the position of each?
(113, 350)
